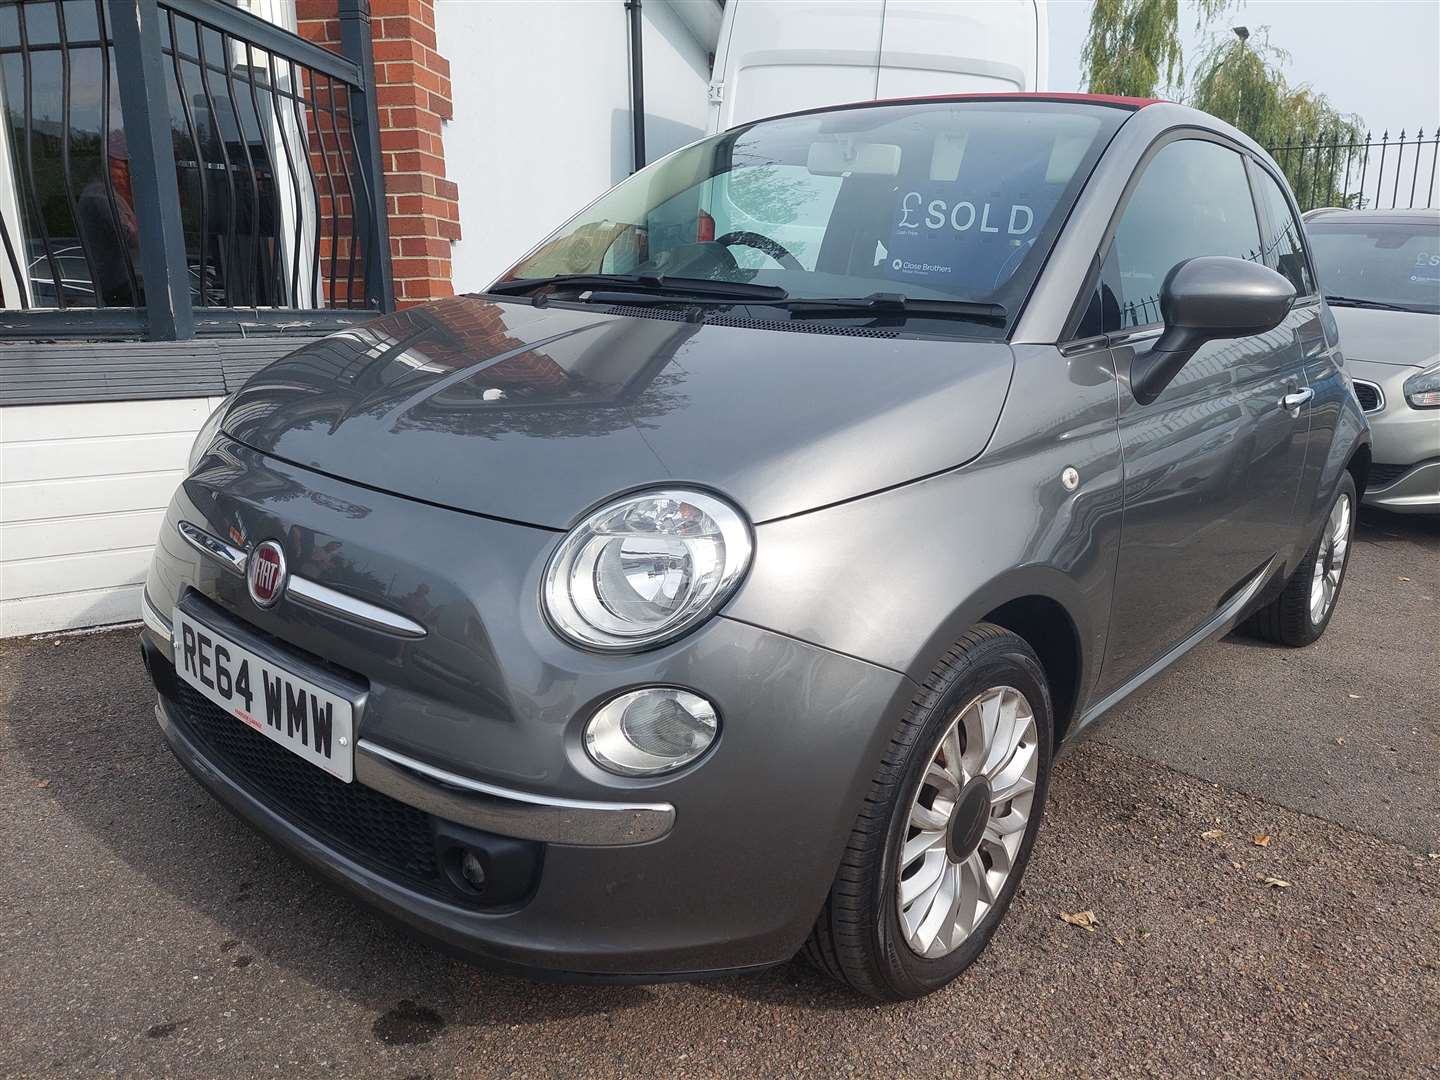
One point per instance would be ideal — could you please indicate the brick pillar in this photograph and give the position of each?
(413, 98)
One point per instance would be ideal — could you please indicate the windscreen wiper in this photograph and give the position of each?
(650, 285)
(650, 288)
(897, 304)
(1361, 302)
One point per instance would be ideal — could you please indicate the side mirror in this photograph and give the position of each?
(1204, 299)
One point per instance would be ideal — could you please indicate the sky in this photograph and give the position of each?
(1377, 58)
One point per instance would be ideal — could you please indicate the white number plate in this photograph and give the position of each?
(302, 717)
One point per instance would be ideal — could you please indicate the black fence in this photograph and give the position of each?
(168, 164)
(1342, 169)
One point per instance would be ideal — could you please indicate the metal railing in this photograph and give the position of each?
(1342, 169)
(168, 164)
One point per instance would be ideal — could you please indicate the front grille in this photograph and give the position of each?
(1371, 399)
(1381, 476)
(379, 832)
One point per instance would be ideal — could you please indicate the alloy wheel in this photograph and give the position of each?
(1330, 561)
(967, 821)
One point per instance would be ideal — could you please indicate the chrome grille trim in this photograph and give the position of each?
(227, 555)
(304, 591)
(505, 811)
(312, 594)
(1376, 390)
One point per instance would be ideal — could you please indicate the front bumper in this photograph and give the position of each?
(721, 867)
(1405, 442)
(1415, 491)
(445, 794)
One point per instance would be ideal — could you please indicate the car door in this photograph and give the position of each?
(1212, 465)
(1287, 252)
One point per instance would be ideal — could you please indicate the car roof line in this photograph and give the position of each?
(1114, 101)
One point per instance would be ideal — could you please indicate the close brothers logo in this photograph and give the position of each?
(265, 573)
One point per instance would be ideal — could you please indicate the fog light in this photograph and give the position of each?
(652, 731)
(473, 871)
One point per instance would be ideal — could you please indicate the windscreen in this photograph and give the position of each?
(936, 201)
(1394, 263)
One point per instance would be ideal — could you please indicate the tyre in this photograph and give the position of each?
(947, 826)
(1301, 612)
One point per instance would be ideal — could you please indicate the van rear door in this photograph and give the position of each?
(783, 57)
(779, 58)
(930, 48)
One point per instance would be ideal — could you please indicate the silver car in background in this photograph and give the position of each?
(1380, 272)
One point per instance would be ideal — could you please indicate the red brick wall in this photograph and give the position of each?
(412, 83)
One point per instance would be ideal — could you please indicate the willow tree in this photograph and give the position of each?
(1133, 47)
(1242, 80)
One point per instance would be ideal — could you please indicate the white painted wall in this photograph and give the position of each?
(542, 113)
(83, 491)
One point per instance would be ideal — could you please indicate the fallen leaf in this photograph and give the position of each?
(1211, 834)
(1273, 882)
(43, 784)
(1263, 840)
(1086, 920)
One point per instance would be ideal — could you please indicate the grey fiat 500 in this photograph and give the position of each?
(721, 583)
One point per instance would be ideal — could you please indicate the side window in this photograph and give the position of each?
(1284, 245)
(1193, 199)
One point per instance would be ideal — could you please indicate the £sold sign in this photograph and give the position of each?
(963, 215)
(956, 243)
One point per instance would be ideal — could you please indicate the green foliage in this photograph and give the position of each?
(1134, 48)
(1242, 82)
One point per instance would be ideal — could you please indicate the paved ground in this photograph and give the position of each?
(144, 932)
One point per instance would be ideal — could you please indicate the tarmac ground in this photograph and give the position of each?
(146, 932)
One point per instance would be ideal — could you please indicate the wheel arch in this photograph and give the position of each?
(1048, 629)
(1348, 450)
(1359, 468)
(1049, 611)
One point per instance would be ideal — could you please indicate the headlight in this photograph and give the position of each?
(646, 732)
(206, 435)
(1422, 390)
(645, 569)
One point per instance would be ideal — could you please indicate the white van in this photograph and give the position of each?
(778, 56)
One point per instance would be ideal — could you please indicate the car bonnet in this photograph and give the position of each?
(1407, 338)
(537, 414)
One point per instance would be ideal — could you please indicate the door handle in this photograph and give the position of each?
(1296, 398)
